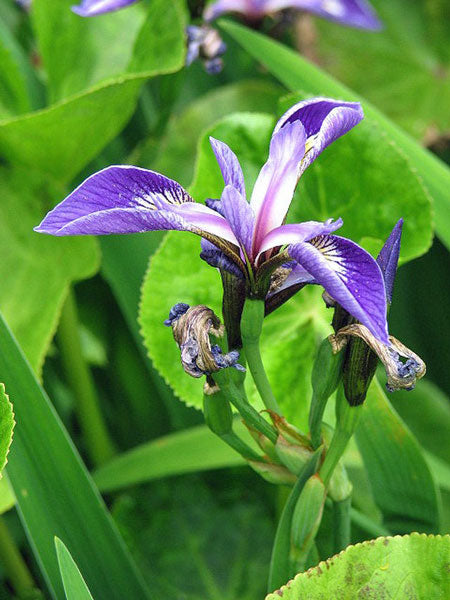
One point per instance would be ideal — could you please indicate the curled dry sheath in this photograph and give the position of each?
(400, 375)
(191, 329)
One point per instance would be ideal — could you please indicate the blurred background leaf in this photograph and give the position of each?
(402, 69)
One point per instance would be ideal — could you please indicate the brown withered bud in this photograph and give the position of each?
(191, 328)
(400, 374)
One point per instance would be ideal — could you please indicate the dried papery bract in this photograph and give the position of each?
(192, 327)
(400, 375)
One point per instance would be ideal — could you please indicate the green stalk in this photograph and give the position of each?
(347, 419)
(15, 567)
(342, 523)
(219, 418)
(237, 397)
(98, 442)
(280, 562)
(251, 327)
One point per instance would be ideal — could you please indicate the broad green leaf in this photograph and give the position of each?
(55, 494)
(36, 269)
(80, 52)
(298, 74)
(13, 92)
(399, 476)
(62, 139)
(407, 79)
(74, 584)
(176, 159)
(6, 427)
(192, 450)
(195, 541)
(400, 567)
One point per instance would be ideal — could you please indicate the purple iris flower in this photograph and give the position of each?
(248, 235)
(355, 13)
(90, 8)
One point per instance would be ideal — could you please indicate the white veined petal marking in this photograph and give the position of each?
(328, 247)
(333, 7)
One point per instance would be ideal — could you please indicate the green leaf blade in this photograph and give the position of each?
(74, 584)
(55, 494)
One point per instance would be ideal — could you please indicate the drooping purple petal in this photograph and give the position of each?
(355, 13)
(274, 188)
(239, 215)
(324, 120)
(126, 199)
(301, 232)
(229, 165)
(90, 8)
(350, 275)
(388, 258)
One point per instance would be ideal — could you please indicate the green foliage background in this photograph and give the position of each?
(171, 512)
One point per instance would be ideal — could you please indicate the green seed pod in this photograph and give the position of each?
(293, 456)
(218, 413)
(340, 487)
(307, 517)
(326, 374)
(273, 473)
(360, 365)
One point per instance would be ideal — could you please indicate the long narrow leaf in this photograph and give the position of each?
(194, 449)
(74, 584)
(55, 495)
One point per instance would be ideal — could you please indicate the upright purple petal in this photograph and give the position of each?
(126, 199)
(274, 188)
(90, 8)
(239, 215)
(350, 275)
(324, 120)
(388, 258)
(229, 165)
(249, 8)
(301, 232)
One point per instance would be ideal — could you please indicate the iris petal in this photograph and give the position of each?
(126, 199)
(229, 165)
(274, 188)
(350, 275)
(324, 120)
(90, 8)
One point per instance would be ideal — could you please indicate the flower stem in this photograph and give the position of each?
(342, 523)
(219, 418)
(347, 419)
(98, 442)
(237, 397)
(15, 567)
(251, 327)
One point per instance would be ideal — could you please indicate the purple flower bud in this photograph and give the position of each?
(388, 258)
